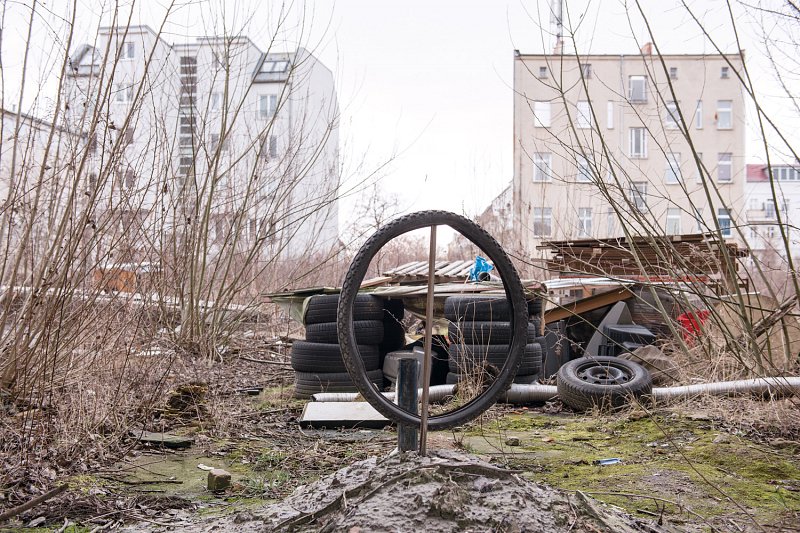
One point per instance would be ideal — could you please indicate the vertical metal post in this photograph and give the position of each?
(407, 398)
(426, 361)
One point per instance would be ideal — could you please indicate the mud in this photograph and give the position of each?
(444, 492)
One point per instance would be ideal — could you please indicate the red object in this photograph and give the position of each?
(692, 324)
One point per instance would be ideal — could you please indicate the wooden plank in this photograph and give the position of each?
(586, 304)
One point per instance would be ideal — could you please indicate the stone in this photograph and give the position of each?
(512, 441)
(218, 480)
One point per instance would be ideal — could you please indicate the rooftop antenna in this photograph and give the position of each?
(556, 19)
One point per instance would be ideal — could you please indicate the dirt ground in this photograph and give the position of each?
(731, 465)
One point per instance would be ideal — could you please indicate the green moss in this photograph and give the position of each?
(669, 457)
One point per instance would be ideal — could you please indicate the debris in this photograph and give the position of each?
(10, 513)
(207, 468)
(512, 441)
(162, 439)
(218, 479)
(607, 462)
(187, 401)
(342, 415)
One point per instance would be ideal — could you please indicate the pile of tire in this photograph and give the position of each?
(480, 333)
(317, 361)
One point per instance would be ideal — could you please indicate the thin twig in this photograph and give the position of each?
(32, 503)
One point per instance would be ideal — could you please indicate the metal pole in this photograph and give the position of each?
(426, 361)
(407, 398)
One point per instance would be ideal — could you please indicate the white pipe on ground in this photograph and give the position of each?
(520, 394)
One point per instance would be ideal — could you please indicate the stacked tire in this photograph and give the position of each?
(317, 361)
(480, 334)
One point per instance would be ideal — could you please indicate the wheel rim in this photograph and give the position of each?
(514, 293)
(605, 373)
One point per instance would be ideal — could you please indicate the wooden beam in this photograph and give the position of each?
(585, 305)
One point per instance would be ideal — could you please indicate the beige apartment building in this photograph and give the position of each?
(605, 143)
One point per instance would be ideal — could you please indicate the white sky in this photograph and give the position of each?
(425, 84)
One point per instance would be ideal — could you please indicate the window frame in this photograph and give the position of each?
(673, 73)
(698, 115)
(546, 160)
(672, 168)
(725, 112)
(583, 115)
(585, 221)
(584, 173)
(724, 222)
(638, 78)
(544, 220)
(673, 216)
(542, 109)
(725, 159)
(672, 118)
(271, 105)
(127, 51)
(637, 194)
(642, 134)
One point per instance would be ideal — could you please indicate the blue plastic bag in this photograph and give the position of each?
(481, 266)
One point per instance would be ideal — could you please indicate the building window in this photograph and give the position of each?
(611, 222)
(584, 172)
(541, 166)
(127, 138)
(672, 168)
(724, 73)
(273, 146)
(216, 102)
(128, 51)
(542, 221)
(586, 70)
(610, 115)
(725, 168)
(673, 222)
(584, 221)
(541, 114)
(267, 104)
(274, 66)
(698, 217)
(638, 143)
(672, 117)
(769, 209)
(698, 115)
(673, 73)
(124, 94)
(185, 165)
(698, 165)
(637, 194)
(724, 114)
(785, 173)
(724, 221)
(542, 72)
(584, 117)
(637, 89)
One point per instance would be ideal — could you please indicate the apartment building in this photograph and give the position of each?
(645, 142)
(214, 130)
(772, 200)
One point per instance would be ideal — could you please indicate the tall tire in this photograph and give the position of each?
(518, 315)
(466, 357)
(323, 308)
(327, 358)
(367, 332)
(308, 383)
(484, 332)
(394, 334)
(602, 381)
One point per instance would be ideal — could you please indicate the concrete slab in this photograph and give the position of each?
(342, 415)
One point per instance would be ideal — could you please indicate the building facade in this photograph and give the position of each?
(213, 136)
(772, 203)
(606, 145)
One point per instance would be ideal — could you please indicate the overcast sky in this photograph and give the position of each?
(424, 85)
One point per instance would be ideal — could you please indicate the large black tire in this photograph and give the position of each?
(323, 308)
(367, 332)
(394, 334)
(518, 316)
(482, 307)
(308, 383)
(467, 357)
(326, 358)
(602, 381)
(484, 332)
